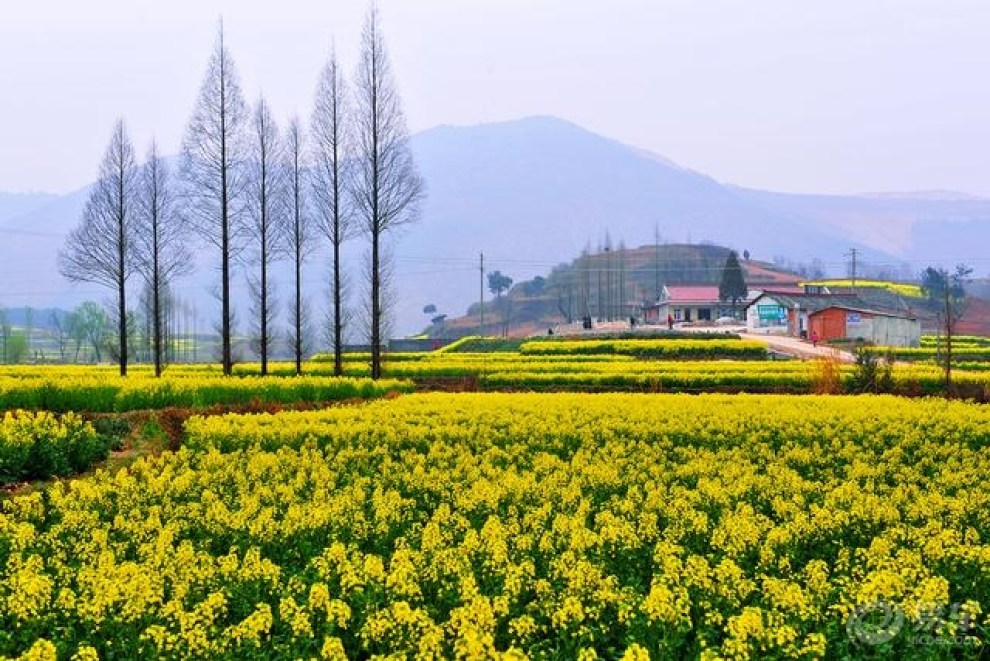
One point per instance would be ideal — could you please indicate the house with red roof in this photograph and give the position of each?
(689, 304)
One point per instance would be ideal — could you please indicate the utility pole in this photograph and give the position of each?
(481, 290)
(853, 253)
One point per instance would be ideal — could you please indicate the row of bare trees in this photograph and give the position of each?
(129, 226)
(256, 194)
(601, 282)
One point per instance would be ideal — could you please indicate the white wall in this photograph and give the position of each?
(886, 331)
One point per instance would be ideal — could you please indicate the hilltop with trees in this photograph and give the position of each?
(607, 283)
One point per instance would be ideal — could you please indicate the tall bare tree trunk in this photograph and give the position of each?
(226, 357)
(298, 240)
(99, 249)
(161, 247)
(387, 188)
(156, 307)
(267, 228)
(122, 257)
(212, 156)
(332, 145)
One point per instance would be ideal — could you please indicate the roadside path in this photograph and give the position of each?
(799, 348)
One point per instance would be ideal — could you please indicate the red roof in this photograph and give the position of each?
(692, 293)
(790, 291)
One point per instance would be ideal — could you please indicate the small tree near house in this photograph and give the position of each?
(498, 283)
(732, 288)
(946, 293)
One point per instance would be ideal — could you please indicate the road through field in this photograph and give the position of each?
(799, 348)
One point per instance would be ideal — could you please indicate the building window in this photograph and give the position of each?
(704, 314)
(678, 314)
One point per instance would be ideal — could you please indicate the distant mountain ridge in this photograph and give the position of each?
(532, 193)
(15, 205)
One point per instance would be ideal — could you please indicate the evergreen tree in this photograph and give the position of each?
(732, 288)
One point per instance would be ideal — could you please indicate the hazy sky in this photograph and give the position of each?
(817, 95)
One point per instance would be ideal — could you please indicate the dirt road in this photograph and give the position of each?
(799, 348)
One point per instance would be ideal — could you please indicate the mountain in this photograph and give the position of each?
(531, 194)
(917, 227)
(41, 319)
(14, 205)
(29, 254)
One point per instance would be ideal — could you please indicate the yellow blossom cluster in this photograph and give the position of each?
(516, 526)
(97, 390)
(40, 445)
(964, 351)
(652, 348)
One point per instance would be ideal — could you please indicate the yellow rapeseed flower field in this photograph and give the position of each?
(520, 526)
(97, 389)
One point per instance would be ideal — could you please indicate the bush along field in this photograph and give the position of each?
(521, 526)
(35, 446)
(106, 393)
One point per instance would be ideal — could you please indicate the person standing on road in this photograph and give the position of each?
(814, 338)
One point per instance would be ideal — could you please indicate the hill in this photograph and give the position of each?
(533, 193)
(581, 287)
(15, 205)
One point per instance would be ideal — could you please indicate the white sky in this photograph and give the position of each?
(809, 96)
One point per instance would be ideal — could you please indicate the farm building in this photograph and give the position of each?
(890, 329)
(786, 312)
(689, 303)
(789, 312)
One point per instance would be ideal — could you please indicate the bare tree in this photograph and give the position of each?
(212, 167)
(565, 285)
(99, 249)
(330, 324)
(299, 234)
(5, 332)
(387, 293)
(622, 301)
(266, 225)
(60, 325)
(387, 189)
(331, 184)
(599, 289)
(585, 268)
(947, 293)
(29, 329)
(609, 293)
(160, 246)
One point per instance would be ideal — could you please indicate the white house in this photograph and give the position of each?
(691, 303)
(785, 312)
